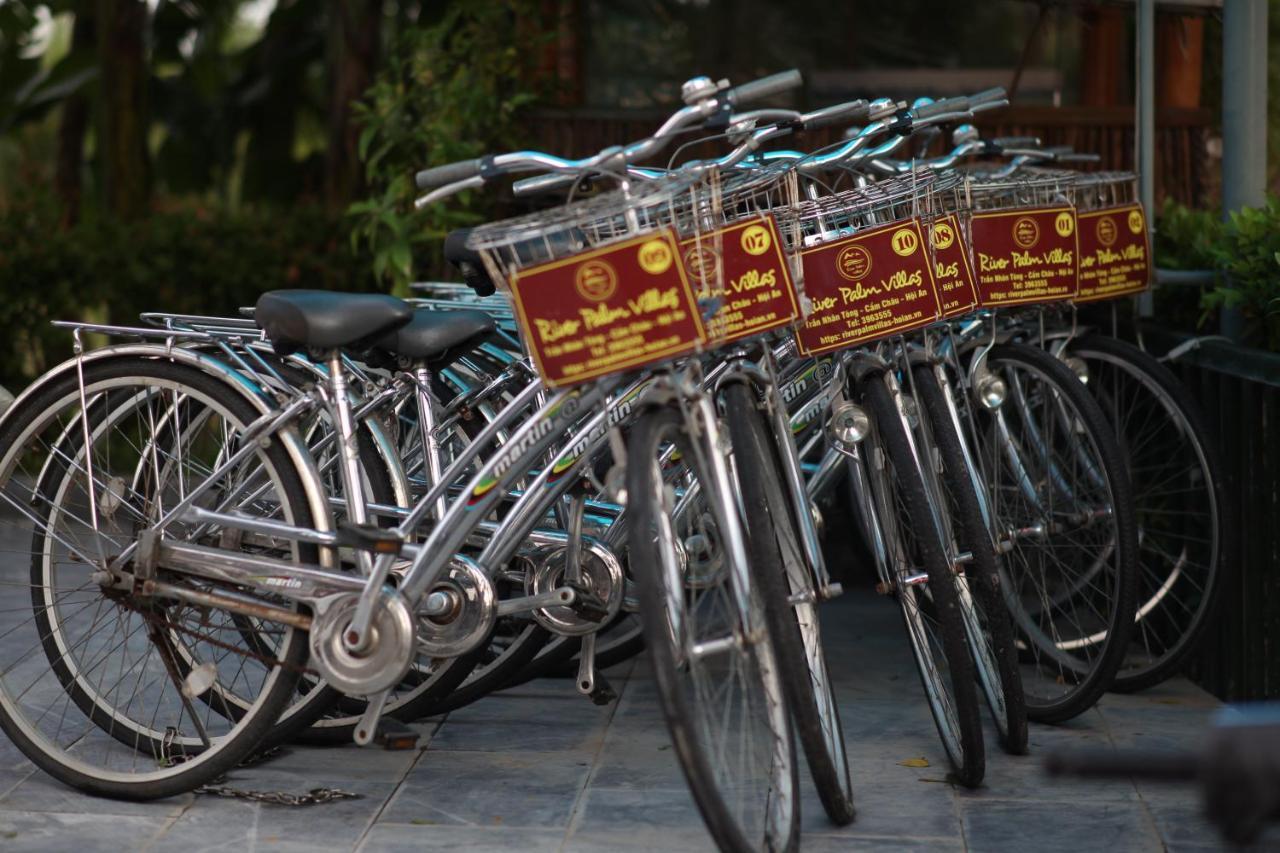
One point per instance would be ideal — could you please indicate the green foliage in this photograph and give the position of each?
(1244, 250)
(1247, 250)
(1185, 237)
(182, 259)
(449, 91)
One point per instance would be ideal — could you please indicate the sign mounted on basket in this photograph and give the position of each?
(1115, 252)
(743, 267)
(1025, 255)
(872, 285)
(607, 310)
(952, 269)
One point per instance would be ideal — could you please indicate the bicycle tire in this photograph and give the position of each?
(248, 728)
(964, 745)
(1083, 681)
(1189, 424)
(780, 807)
(975, 538)
(765, 510)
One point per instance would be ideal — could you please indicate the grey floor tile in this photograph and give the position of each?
(512, 789)
(626, 811)
(39, 792)
(635, 841)
(1182, 821)
(329, 763)
(997, 826)
(396, 837)
(865, 844)
(333, 825)
(896, 806)
(83, 833)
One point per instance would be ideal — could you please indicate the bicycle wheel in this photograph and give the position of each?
(780, 570)
(925, 585)
(103, 708)
(986, 619)
(1179, 494)
(713, 661)
(1063, 512)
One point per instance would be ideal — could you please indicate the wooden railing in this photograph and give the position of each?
(1182, 163)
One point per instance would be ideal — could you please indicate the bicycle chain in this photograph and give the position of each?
(279, 798)
(211, 640)
(315, 796)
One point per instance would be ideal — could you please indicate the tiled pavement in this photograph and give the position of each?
(540, 768)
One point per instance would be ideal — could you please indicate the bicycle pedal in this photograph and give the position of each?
(395, 736)
(603, 692)
(369, 537)
(587, 604)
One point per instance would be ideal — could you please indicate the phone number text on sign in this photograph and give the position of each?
(741, 265)
(1025, 255)
(871, 285)
(1114, 253)
(607, 310)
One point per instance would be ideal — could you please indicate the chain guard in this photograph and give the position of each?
(603, 578)
(471, 621)
(383, 664)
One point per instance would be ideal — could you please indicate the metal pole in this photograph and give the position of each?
(1244, 117)
(1145, 126)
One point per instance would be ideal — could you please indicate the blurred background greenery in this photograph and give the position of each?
(188, 154)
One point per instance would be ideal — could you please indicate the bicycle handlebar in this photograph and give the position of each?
(765, 87)
(942, 107)
(443, 180)
(438, 176)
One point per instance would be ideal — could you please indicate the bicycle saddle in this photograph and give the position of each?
(432, 333)
(324, 320)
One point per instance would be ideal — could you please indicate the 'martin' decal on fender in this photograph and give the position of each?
(518, 447)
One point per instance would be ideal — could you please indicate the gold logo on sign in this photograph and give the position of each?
(1135, 221)
(655, 257)
(700, 262)
(1065, 224)
(1106, 230)
(1026, 232)
(595, 280)
(853, 262)
(905, 242)
(943, 235)
(756, 240)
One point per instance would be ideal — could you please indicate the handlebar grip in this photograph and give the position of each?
(986, 96)
(853, 112)
(449, 173)
(1016, 141)
(946, 105)
(765, 87)
(1079, 158)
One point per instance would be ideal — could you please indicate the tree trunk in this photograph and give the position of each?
(123, 118)
(72, 127)
(355, 36)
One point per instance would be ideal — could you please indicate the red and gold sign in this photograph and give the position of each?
(1115, 252)
(871, 285)
(1025, 255)
(607, 310)
(952, 269)
(743, 267)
